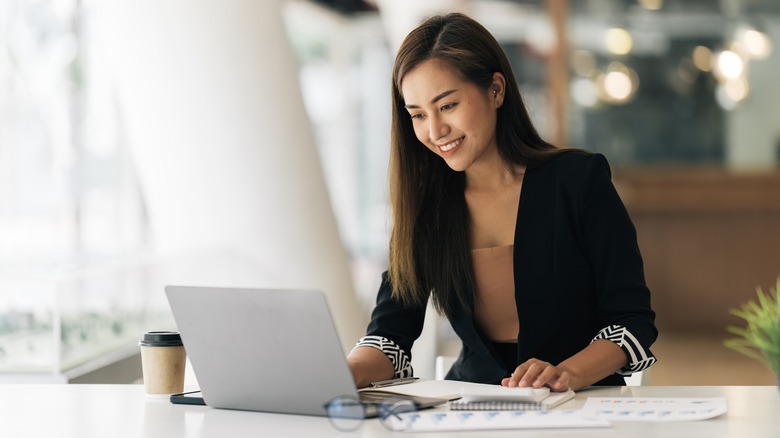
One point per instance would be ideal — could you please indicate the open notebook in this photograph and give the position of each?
(479, 396)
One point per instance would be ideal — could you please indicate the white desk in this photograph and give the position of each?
(119, 411)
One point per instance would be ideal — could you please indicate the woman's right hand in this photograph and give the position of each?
(538, 373)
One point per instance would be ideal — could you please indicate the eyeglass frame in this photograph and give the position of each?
(386, 410)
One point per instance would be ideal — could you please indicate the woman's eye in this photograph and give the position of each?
(448, 106)
(416, 116)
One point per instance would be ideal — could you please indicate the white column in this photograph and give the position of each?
(211, 104)
(753, 128)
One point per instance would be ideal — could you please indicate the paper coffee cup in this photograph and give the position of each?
(163, 361)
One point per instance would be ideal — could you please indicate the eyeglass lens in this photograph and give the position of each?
(345, 413)
(397, 415)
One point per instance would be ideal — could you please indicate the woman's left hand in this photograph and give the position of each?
(538, 373)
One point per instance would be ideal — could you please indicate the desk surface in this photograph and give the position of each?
(119, 411)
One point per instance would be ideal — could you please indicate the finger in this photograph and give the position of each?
(514, 379)
(562, 383)
(548, 376)
(531, 374)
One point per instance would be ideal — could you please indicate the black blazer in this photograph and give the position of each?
(577, 270)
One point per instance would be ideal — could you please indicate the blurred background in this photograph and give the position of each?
(245, 143)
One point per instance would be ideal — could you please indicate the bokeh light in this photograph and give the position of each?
(584, 92)
(618, 85)
(723, 98)
(730, 64)
(702, 58)
(757, 44)
(651, 5)
(618, 41)
(736, 89)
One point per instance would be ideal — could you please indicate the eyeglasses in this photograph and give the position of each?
(346, 413)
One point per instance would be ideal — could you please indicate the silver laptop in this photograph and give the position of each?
(264, 350)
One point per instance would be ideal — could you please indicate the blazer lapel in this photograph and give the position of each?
(533, 260)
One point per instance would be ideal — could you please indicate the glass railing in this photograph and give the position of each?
(50, 325)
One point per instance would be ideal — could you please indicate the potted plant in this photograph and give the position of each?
(760, 338)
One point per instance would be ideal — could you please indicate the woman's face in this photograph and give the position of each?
(451, 116)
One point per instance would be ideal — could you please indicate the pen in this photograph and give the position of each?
(392, 382)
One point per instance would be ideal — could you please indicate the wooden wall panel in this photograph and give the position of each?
(708, 238)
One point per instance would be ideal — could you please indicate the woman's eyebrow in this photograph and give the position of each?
(439, 97)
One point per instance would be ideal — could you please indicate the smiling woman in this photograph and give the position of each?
(524, 247)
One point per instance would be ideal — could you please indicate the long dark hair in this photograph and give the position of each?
(429, 242)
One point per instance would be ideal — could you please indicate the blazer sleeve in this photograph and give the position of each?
(393, 329)
(623, 299)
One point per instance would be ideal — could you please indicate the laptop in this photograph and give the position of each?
(266, 350)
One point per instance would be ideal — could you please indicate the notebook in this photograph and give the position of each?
(266, 350)
(501, 398)
(470, 396)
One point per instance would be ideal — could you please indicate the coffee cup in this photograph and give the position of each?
(163, 361)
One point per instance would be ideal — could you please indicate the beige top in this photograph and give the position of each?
(495, 310)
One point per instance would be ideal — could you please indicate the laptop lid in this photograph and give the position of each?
(262, 349)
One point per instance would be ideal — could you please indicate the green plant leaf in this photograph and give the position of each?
(760, 338)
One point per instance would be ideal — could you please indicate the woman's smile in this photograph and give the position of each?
(448, 147)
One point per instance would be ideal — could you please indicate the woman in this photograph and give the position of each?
(525, 248)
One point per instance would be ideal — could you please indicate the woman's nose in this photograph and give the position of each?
(438, 128)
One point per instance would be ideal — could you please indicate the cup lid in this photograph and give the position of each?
(160, 339)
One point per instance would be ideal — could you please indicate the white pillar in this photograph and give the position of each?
(753, 128)
(212, 108)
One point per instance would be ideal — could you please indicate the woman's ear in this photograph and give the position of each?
(498, 89)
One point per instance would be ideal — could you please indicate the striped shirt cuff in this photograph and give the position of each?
(638, 358)
(401, 362)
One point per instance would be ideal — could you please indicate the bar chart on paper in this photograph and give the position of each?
(499, 420)
(654, 408)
